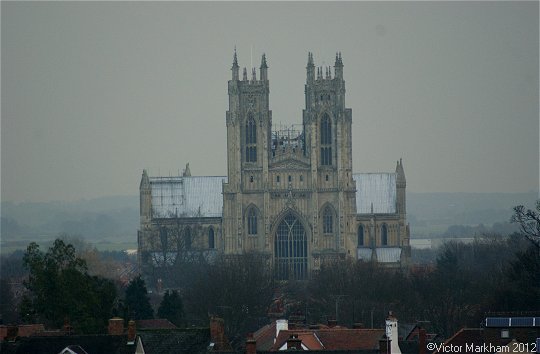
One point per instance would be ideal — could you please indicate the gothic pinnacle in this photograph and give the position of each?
(235, 59)
(310, 59)
(263, 62)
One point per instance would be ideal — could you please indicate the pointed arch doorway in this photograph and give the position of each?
(290, 250)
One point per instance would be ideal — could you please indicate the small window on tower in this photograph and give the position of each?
(301, 178)
(290, 178)
(277, 179)
(326, 178)
(251, 179)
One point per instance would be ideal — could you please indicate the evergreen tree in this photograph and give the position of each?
(137, 300)
(59, 288)
(171, 308)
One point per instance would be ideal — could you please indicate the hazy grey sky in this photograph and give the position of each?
(94, 92)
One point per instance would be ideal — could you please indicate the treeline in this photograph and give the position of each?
(465, 282)
(491, 274)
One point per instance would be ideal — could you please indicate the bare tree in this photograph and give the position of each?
(529, 222)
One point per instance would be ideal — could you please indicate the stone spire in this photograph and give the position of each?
(310, 68)
(400, 174)
(264, 68)
(187, 171)
(338, 66)
(235, 66)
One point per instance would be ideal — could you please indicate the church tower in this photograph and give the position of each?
(328, 144)
(249, 122)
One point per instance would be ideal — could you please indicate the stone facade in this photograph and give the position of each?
(289, 193)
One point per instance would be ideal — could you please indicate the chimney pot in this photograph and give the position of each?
(251, 344)
(294, 342)
(131, 332)
(116, 326)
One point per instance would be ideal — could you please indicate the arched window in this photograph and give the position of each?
(360, 235)
(251, 139)
(211, 244)
(328, 220)
(326, 141)
(290, 249)
(252, 222)
(384, 235)
(187, 238)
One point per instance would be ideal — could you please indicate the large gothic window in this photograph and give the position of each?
(252, 222)
(326, 141)
(360, 235)
(211, 241)
(290, 249)
(328, 220)
(251, 139)
(384, 235)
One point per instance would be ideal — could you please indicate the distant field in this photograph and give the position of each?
(8, 247)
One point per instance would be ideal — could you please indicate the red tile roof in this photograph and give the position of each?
(265, 336)
(333, 338)
(463, 337)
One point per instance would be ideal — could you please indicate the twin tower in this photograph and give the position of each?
(290, 193)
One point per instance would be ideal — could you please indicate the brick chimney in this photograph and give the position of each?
(217, 331)
(116, 326)
(422, 341)
(251, 344)
(132, 333)
(294, 342)
(12, 333)
(66, 328)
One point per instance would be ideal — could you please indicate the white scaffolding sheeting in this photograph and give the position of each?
(192, 196)
(378, 189)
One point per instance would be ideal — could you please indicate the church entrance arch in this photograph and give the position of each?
(290, 249)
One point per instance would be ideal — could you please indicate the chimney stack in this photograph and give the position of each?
(132, 333)
(217, 331)
(294, 342)
(251, 344)
(421, 341)
(116, 326)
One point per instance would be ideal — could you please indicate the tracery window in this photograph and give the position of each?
(252, 222)
(360, 235)
(384, 235)
(290, 248)
(328, 220)
(326, 141)
(251, 139)
(211, 241)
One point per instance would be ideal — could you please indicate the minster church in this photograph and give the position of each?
(290, 193)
